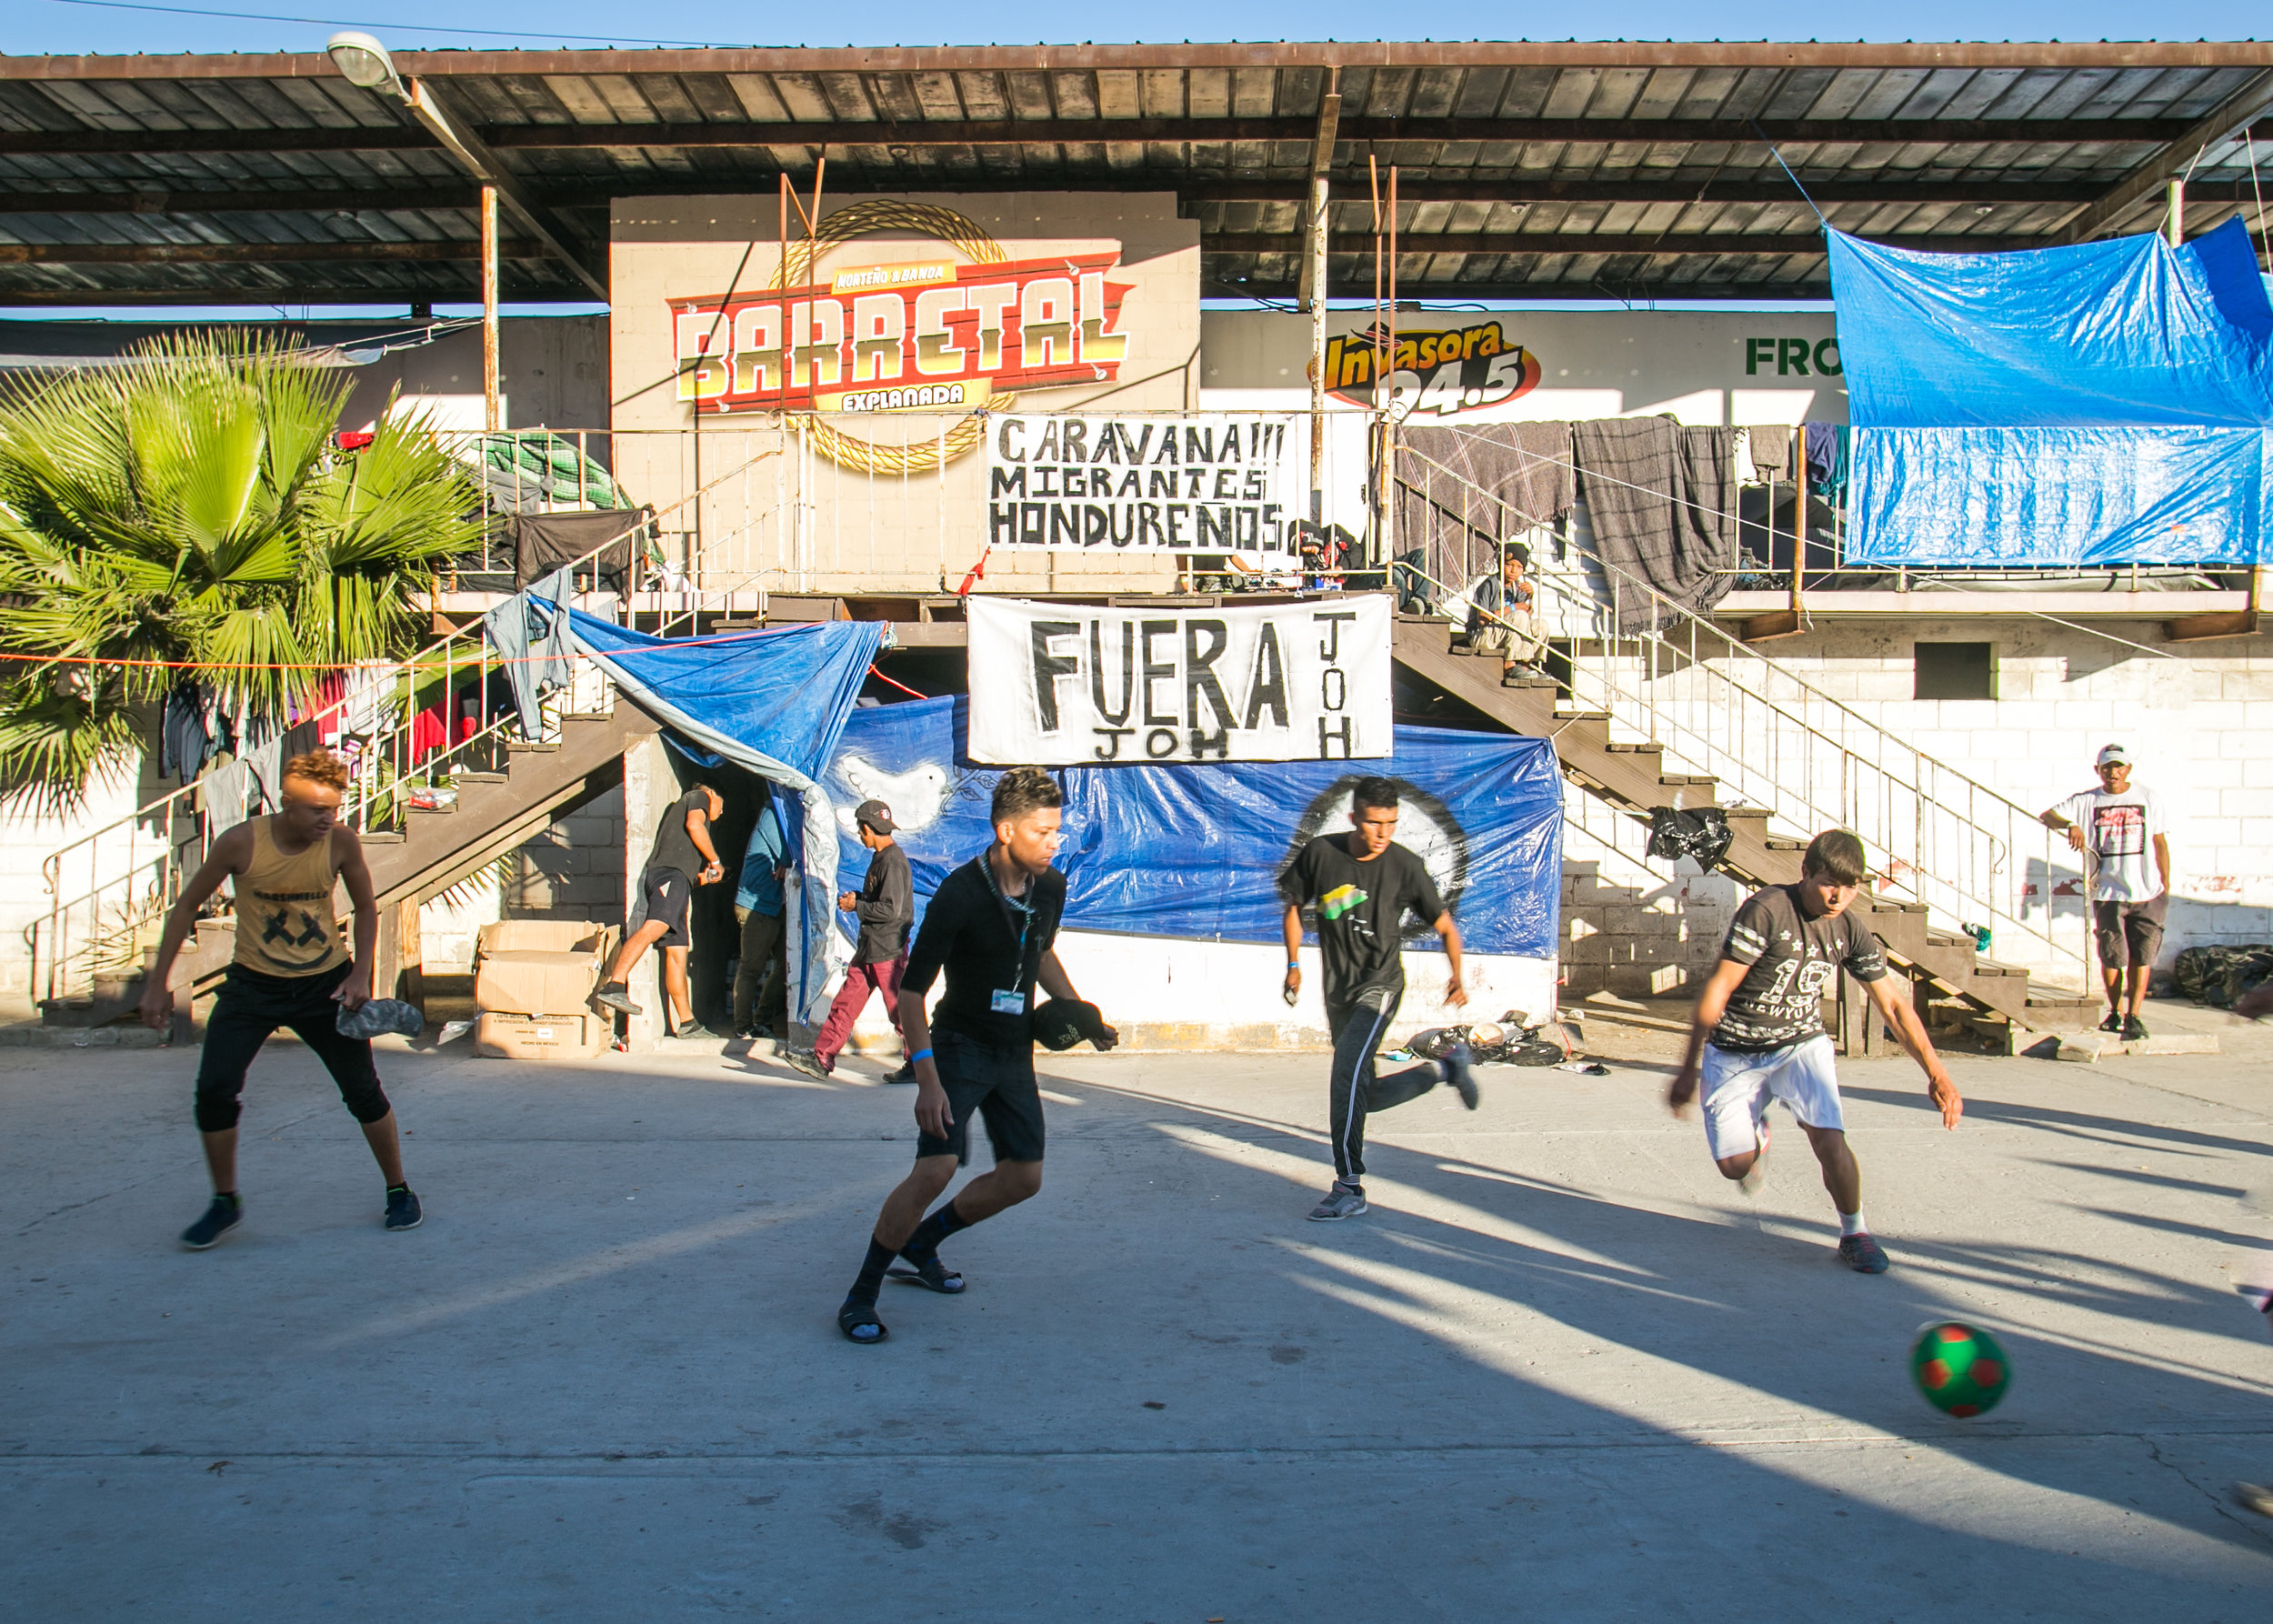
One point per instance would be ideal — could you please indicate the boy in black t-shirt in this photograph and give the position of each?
(1758, 1035)
(1363, 884)
(991, 928)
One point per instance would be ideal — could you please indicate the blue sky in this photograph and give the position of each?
(72, 26)
(37, 27)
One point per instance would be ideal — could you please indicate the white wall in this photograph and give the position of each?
(26, 840)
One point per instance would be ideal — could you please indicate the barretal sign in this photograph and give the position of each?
(1434, 372)
(929, 333)
(1211, 483)
(1065, 684)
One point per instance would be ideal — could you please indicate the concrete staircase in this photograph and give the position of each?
(1951, 980)
(493, 812)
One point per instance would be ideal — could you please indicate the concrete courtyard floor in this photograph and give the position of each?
(1562, 1371)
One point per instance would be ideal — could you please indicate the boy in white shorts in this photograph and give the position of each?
(1757, 1032)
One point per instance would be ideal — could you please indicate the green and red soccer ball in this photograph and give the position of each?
(1961, 1371)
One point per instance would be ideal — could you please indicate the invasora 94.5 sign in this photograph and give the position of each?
(1063, 684)
(1433, 372)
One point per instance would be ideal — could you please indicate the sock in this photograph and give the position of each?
(1851, 1223)
(399, 1189)
(228, 1194)
(923, 1245)
(871, 1280)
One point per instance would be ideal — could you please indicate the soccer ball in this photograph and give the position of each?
(1961, 1371)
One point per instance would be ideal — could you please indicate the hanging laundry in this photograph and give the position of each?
(1771, 451)
(1661, 503)
(1826, 458)
(530, 634)
(185, 742)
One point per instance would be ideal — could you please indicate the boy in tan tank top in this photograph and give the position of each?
(291, 969)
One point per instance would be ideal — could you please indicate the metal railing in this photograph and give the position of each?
(407, 729)
(1718, 705)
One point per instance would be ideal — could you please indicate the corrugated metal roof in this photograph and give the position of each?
(1524, 170)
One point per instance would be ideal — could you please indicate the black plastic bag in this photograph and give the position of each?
(1702, 834)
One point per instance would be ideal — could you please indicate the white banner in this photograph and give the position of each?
(1064, 685)
(1206, 483)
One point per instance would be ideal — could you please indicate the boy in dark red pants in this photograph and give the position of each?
(885, 905)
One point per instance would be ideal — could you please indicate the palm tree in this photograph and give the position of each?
(189, 514)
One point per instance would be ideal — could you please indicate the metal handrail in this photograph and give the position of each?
(1783, 743)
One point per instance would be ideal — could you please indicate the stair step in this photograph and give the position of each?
(448, 811)
(466, 777)
(1651, 748)
(587, 716)
(380, 836)
(1529, 682)
(1580, 715)
(1685, 780)
(1777, 843)
(540, 745)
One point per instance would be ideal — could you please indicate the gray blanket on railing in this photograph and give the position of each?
(1661, 498)
(1477, 487)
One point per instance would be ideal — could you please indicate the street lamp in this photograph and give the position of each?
(363, 61)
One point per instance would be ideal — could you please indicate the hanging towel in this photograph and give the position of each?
(1657, 496)
(1771, 451)
(530, 634)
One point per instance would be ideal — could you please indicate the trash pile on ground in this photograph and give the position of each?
(2217, 977)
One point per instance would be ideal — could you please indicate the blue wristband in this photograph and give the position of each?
(921, 1054)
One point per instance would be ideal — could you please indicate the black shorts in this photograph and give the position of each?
(669, 894)
(997, 1084)
(251, 1006)
(2129, 933)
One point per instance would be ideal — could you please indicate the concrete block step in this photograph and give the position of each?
(2088, 1047)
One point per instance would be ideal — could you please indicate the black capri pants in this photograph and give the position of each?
(251, 1006)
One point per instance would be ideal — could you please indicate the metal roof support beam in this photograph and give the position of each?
(475, 158)
(261, 252)
(2229, 118)
(1654, 243)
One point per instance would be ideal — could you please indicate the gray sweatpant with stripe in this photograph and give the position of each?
(1358, 1026)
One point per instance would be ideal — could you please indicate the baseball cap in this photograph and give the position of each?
(2115, 755)
(876, 815)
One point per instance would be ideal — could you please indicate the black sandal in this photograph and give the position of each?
(855, 1316)
(931, 1274)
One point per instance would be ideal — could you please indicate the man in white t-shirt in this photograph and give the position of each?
(2119, 825)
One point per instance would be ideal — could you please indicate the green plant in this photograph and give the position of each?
(187, 514)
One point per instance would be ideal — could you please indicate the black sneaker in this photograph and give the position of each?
(616, 996)
(905, 1074)
(1862, 1254)
(403, 1211)
(2114, 1023)
(2134, 1029)
(224, 1215)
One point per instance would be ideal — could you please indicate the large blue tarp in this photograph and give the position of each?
(1194, 850)
(2051, 497)
(2117, 334)
(2101, 403)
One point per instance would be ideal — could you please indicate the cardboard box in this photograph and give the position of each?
(534, 983)
(544, 936)
(539, 1037)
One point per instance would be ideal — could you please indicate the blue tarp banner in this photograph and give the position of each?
(2097, 404)
(2117, 334)
(2057, 496)
(1194, 850)
(772, 701)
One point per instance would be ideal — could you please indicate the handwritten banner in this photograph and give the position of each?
(1208, 483)
(1060, 684)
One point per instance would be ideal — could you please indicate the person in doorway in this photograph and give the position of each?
(1362, 885)
(885, 908)
(1757, 1033)
(992, 930)
(290, 969)
(1500, 617)
(761, 976)
(683, 857)
(2116, 826)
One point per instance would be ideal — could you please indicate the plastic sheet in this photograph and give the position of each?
(2122, 332)
(1702, 835)
(2058, 497)
(1194, 850)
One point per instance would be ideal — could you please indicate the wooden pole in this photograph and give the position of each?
(492, 420)
(2175, 224)
(1314, 285)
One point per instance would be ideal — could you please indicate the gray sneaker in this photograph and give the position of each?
(1343, 1201)
(804, 1060)
(613, 995)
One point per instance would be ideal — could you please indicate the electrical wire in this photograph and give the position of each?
(392, 23)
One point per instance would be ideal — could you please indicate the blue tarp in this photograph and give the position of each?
(1194, 850)
(2117, 334)
(2101, 403)
(773, 702)
(2057, 496)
